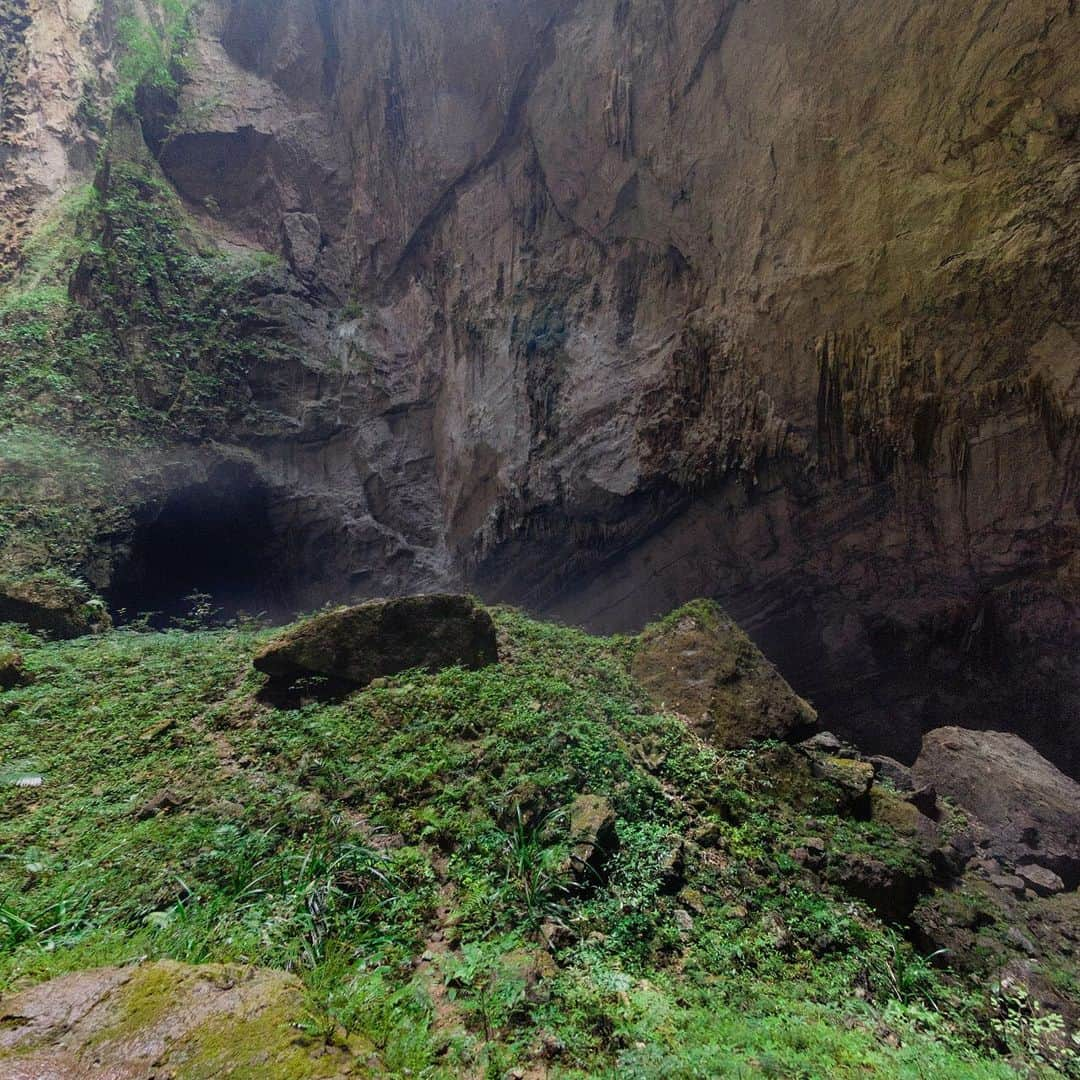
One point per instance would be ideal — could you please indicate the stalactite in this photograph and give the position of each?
(618, 114)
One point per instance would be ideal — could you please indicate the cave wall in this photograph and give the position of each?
(605, 306)
(55, 68)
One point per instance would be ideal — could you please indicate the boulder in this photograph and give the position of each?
(698, 663)
(170, 1019)
(888, 808)
(823, 742)
(851, 776)
(892, 889)
(952, 856)
(12, 672)
(925, 800)
(355, 645)
(592, 838)
(1029, 811)
(891, 770)
(1009, 883)
(1040, 880)
(161, 803)
(53, 606)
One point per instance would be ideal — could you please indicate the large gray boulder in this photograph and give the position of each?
(355, 645)
(1028, 810)
(697, 662)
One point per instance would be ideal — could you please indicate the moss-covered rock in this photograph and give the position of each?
(697, 662)
(593, 836)
(12, 672)
(888, 808)
(54, 605)
(848, 773)
(170, 1019)
(383, 637)
(891, 887)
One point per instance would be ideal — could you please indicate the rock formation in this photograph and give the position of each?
(357, 645)
(597, 308)
(699, 664)
(1028, 811)
(141, 1022)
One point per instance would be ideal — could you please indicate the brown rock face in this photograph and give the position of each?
(605, 307)
(168, 1019)
(383, 637)
(1030, 811)
(700, 664)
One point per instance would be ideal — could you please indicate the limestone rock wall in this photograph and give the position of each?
(55, 69)
(606, 306)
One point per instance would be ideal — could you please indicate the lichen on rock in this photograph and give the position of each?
(189, 1022)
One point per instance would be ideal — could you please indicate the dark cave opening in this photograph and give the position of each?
(205, 555)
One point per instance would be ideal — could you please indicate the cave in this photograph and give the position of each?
(207, 545)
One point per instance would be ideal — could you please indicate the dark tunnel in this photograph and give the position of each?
(207, 554)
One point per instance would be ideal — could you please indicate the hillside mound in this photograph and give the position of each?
(521, 869)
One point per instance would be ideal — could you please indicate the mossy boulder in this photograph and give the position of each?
(169, 1019)
(892, 887)
(355, 645)
(592, 836)
(54, 605)
(853, 777)
(697, 662)
(12, 672)
(900, 815)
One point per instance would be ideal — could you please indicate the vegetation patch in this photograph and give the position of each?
(405, 852)
(119, 341)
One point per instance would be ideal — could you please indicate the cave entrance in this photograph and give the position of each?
(204, 556)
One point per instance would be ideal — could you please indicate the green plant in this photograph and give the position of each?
(907, 975)
(1027, 1029)
(152, 49)
(535, 867)
(201, 615)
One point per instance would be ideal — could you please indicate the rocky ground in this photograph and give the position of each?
(534, 854)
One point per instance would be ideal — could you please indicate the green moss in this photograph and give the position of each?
(152, 49)
(157, 348)
(706, 612)
(341, 840)
(124, 329)
(143, 1001)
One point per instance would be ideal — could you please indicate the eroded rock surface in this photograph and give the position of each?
(698, 663)
(383, 637)
(1029, 811)
(168, 1019)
